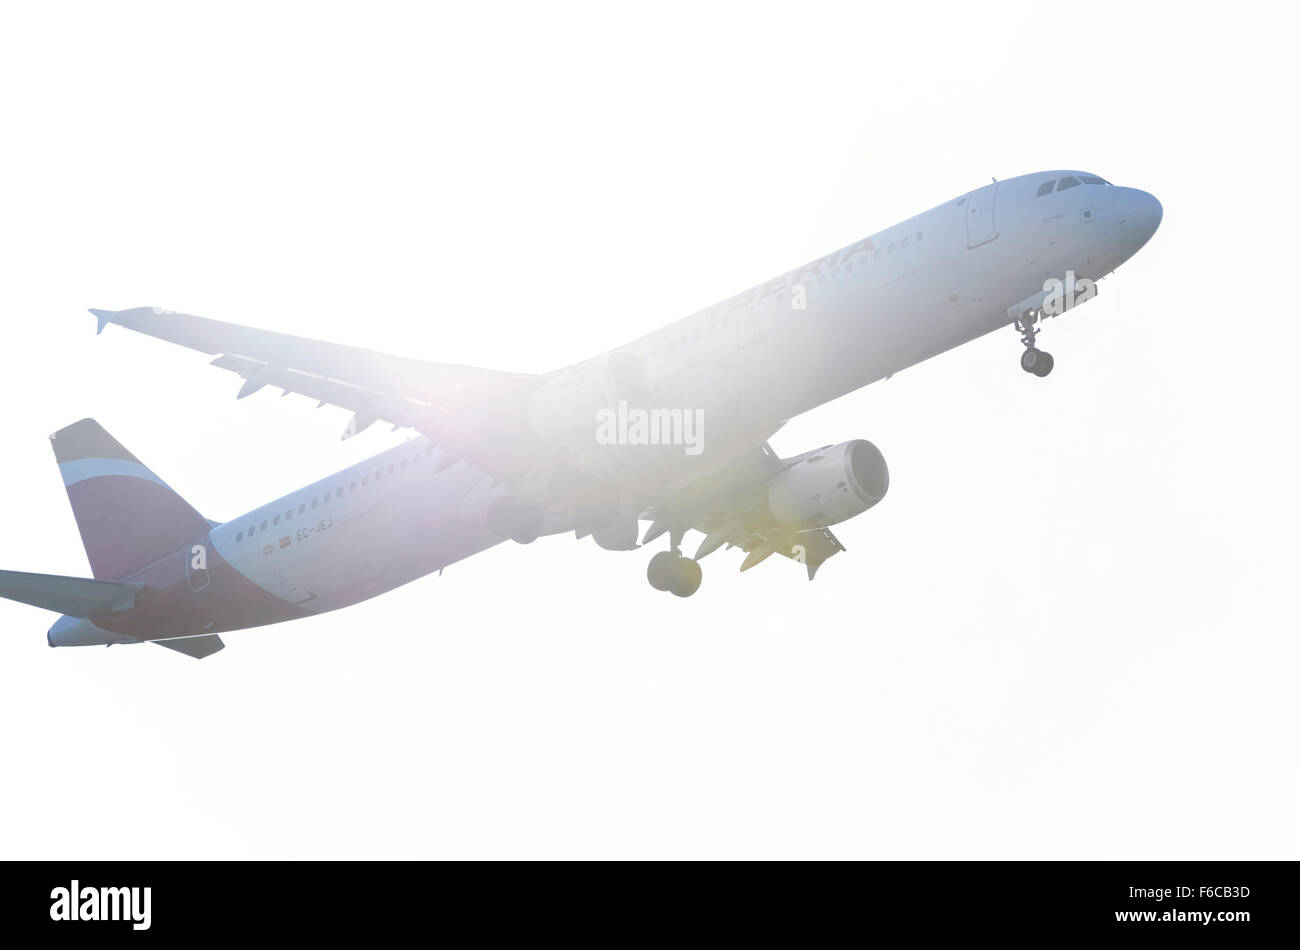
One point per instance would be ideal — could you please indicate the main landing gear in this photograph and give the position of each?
(671, 570)
(1033, 360)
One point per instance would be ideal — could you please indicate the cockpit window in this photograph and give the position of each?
(1046, 188)
(1093, 180)
(1069, 181)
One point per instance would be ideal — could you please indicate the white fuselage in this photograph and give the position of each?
(878, 306)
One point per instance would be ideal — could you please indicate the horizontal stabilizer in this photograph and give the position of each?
(197, 647)
(74, 596)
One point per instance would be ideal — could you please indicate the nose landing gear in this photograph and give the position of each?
(1033, 360)
(1036, 361)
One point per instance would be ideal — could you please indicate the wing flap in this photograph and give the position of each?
(366, 403)
(810, 548)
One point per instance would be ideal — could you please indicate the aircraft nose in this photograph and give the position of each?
(1140, 212)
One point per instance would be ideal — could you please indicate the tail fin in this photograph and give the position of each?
(127, 515)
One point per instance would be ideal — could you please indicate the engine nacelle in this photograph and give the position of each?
(833, 485)
(563, 411)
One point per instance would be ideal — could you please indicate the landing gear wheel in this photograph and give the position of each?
(686, 577)
(1033, 360)
(661, 569)
(529, 528)
(668, 570)
(1037, 362)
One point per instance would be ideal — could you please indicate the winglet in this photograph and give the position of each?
(103, 317)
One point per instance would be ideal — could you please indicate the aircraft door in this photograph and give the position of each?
(981, 223)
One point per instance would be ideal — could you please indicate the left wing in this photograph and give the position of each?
(442, 400)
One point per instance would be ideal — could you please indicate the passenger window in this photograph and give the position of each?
(1046, 188)
(1067, 182)
(338, 493)
(251, 529)
(313, 501)
(288, 514)
(302, 508)
(275, 520)
(906, 241)
(263, 525)
(919, 235)
(239, 537)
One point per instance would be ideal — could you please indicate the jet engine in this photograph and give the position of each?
(829, 486)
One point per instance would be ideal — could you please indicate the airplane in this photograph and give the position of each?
(671, 428)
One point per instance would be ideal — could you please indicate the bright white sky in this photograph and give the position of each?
(1069, 631)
